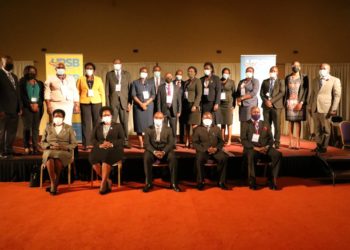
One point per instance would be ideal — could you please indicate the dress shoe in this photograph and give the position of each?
(315, 150)
(147, 188)
(222, 186)
(322, 150)
(175, 187)
(200, 186)
(104, 188)
(252, 184)
(277, 145)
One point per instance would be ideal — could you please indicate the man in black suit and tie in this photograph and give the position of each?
(208, 142)
(118, 85)
(257, 140)
(159, 146)
(181, 84)
(157, 81)
(272, 92)
(10, 107)
(169, 102)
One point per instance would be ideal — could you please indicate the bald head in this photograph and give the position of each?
(158, 115)
(168, 77)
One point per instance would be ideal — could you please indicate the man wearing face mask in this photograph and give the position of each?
(178, 81)
(118, 88)
(257, 140)
(324, 101)
(10, 107)
(169, 102)
(157, 81)
(211, 91)
(208, 142)
(272, 92)
(159, 146)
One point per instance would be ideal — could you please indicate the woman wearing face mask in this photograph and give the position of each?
(108, 141)
(58, 143)
(92, 98)
(143, 93)
(32, 95)
(191, 99)
(227, 103)
(61, 93)
(297, 85)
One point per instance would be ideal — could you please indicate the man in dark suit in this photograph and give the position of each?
(10, 107)
(257, 141)
(181, 83)
(208, 142)
(272, 92)
(159, 146)
(118, 85)
(157, 81)
(169, 102)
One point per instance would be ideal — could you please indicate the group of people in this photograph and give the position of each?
(197, 103)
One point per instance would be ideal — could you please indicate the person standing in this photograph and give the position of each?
(272, 92)
(180, 83)
(324, 101)
(32, 96)
(157, 80)
(118, 87)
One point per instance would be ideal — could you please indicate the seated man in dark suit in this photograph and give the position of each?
(208, 142)
(159, 145)
(257, 140)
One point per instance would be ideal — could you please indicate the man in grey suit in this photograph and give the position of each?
(118, 85)
(272, 92)
(324, 100)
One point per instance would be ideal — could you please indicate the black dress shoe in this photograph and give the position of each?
(252, 184)
(222, 186)
(175, 187)
(147, 188)
(200, 186)
(322, 150)
(315, 149)
(48, 189)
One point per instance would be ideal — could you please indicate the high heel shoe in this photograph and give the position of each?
(104, 188)
(109, 185)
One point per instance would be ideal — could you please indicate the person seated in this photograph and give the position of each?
(159, 146)
(257, 140)
(208, 142)
(58, 144)
(108, 143)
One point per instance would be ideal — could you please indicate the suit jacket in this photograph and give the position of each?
(10, 101)
(277, 94)
(166, 142)
(214, 89)
(202, 139)
(162, 105)
(182, 83)
(250, 89)
(115, 135)
(65, 138)
(303, 90)
(112, 96)
(326, 98)
(247, 131)
(194, 90)
(97, 87)
(153, 81)
(230, 90)
(24, 94)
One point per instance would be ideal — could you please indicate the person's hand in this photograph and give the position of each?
(2, 114)
(54, 147)
(238, 101)
(193, 109)
(178, 115)
(144, 106)
(216, 107)
(63, 148)
(129, 108)
(159, 154)
(331, 113)
(268, 103)
(76, 109)
(298, 107)
(34, 107)
(259, 149)
(49, 110)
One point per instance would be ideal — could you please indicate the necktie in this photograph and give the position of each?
(256, 125)
(157, 134)
(272, 84)
(169, 94)
(118, 76)
(12, 80)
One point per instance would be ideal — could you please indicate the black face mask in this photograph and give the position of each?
(295, 69)
(31, 76)
(9, 66)
(168, 80)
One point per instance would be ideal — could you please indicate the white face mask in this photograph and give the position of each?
(273, 75)
(58, 121)
(179, 77)
(107, 119)
(226, 76)
(60, 72)
(158, 122)
(207, 122)
(207, 72)
(156, 74)
(117, 66)
(143, 75)
(323, 73)
(249, 74)
(89, 72)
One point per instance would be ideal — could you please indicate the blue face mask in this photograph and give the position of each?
(256, 117)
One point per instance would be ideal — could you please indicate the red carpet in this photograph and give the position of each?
(303, 215)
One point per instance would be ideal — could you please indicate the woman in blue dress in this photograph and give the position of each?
(143, 94)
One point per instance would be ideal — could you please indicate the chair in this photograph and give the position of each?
(118, 164)
(345, 133)
(43, 166)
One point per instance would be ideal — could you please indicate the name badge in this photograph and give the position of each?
(223, 96)
(118, 87)
(34, 99)
(206, 91)
(169, 99)
(242, 91)
(145, 94)
(186, 94)
(90, 93)
(255, 138)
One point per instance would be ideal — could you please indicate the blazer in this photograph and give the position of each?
(303, 90)
(153, 81)
(112, 96)
(182, 83)
(24, 94)
(194, 90)
(326, 98)
(202, 139)
(162, 105)
(166, 142)
(247, 131)
(277, 94)
(230, 90)
(97, 87)
(214, 89)
(250, 89)
(10, 101)
(65, 138)
(115, 135)
(53, 90)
